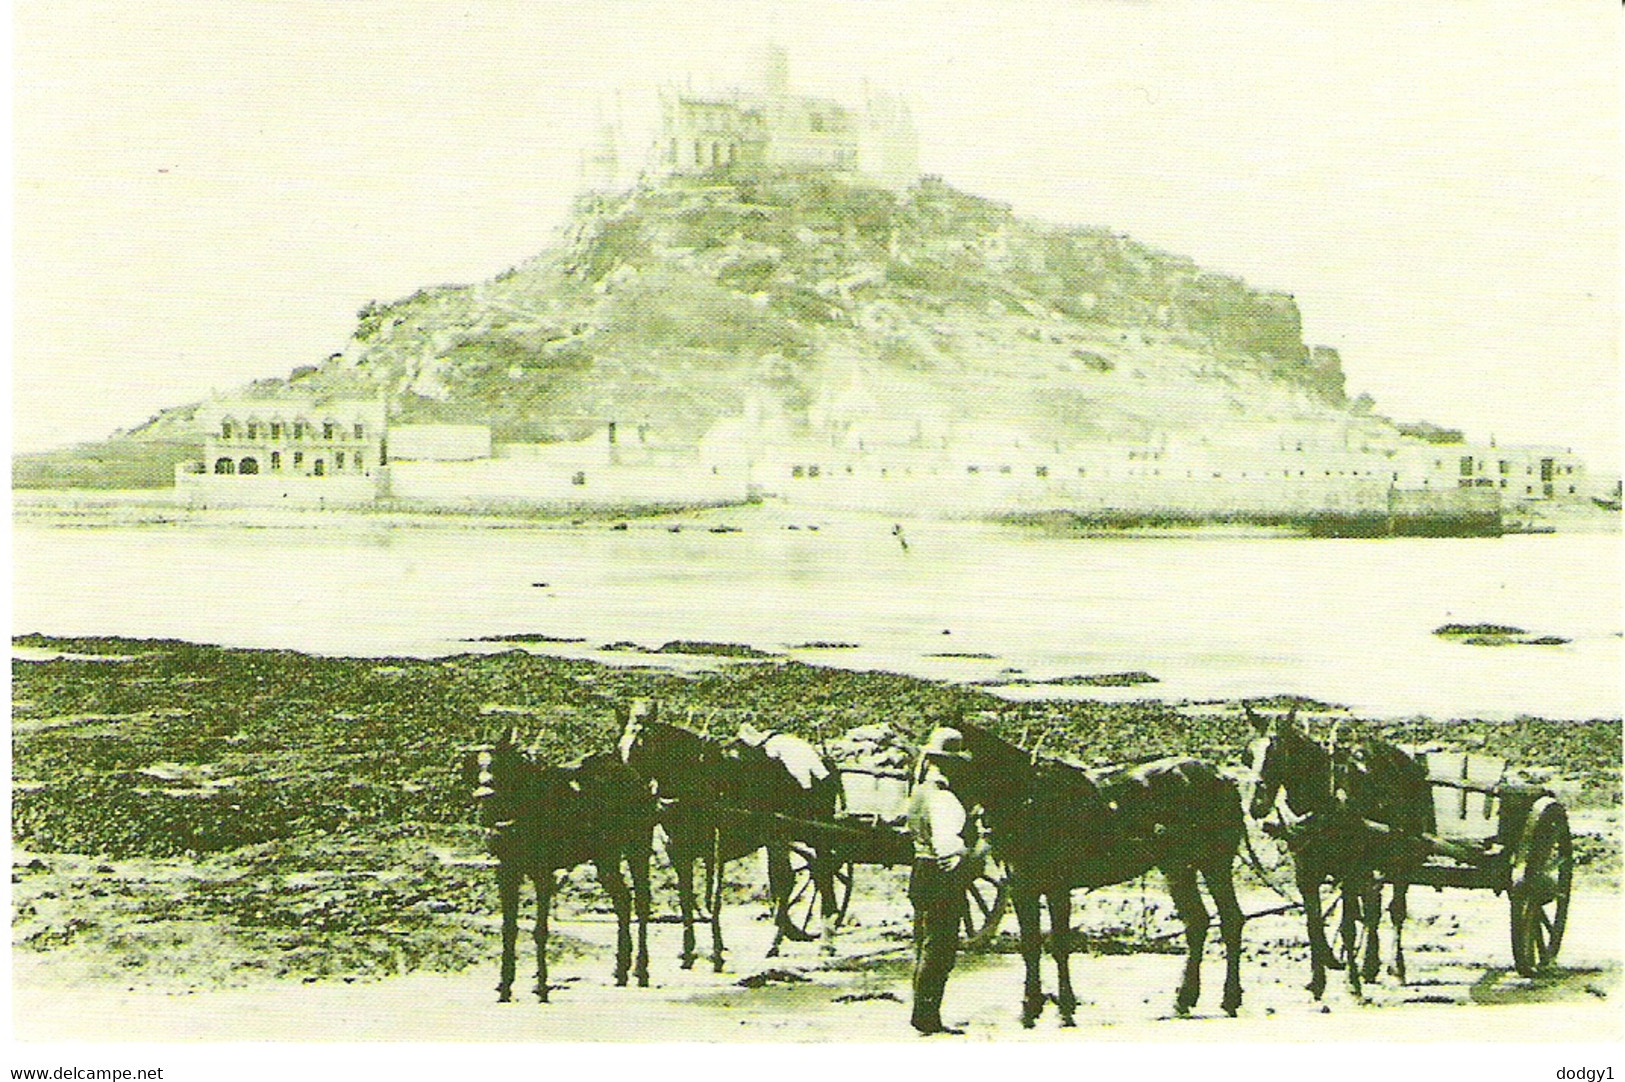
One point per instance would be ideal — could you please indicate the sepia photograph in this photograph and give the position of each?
(908, 530)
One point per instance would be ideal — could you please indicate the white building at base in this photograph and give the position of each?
(287, 453)
(341, 453)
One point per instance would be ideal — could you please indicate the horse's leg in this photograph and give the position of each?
(1192, 910)
(1350, 934)
(1025, 901)
(1315, 919)
(1060, 945)
(543, 878)
(824, 867)
(639, 860)
(614, 884)
(1371, 913)
(683, 864)
(1223, 889)
(1397, 912)
(713, 874)
(508, 880)
(778, 889)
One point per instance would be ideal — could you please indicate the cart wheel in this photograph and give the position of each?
(985, 902)
(1542, 874)
(805, 911)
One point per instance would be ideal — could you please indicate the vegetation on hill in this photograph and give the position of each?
(677, 300)
(117, 463)
(813, 297)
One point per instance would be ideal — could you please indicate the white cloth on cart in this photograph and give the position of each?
(798, 757)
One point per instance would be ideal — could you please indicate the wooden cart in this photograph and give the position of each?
(1503, 836)
(870, 827)
(1507, 837)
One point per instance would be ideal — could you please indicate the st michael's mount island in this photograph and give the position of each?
(766, 301)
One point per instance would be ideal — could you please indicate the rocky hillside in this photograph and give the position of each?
(815, 297)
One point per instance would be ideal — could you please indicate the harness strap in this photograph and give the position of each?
(1331, 763)
(1263, 873)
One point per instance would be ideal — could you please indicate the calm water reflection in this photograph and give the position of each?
(1350, 621)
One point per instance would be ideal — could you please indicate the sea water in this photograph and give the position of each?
(1209, 615)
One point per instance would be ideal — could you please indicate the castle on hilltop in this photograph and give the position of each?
(772, 127)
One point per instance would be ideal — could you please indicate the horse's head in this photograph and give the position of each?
(995, 770)
(673, 760)
(474, 768)
(498, 771)
(1286, 760)
(635, 719)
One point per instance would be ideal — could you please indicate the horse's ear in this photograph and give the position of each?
(1292, 714)
(1039, 746)
(1260, 725)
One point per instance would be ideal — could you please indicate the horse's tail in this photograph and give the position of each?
(1420, 793)
(828, 790)
(1235, 812)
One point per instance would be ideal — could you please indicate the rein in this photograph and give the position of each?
(1263, 874)
(1331, 765)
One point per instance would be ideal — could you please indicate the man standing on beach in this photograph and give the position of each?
(944, 864)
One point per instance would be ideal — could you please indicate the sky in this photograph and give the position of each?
(206, 193)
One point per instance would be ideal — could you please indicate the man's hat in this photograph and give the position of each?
(945, 743)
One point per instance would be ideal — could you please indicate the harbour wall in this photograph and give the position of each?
(522, 483)
(1338, 505)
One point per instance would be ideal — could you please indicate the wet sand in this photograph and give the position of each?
(1460, 987)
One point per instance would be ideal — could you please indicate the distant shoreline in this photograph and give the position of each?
(159, 507)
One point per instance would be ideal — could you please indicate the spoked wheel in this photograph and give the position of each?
(985, 902)
(805, 911)
(1542, 875)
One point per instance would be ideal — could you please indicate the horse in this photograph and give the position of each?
(1056, 828)
(1335, 795)
(541, 819)
(717, 802)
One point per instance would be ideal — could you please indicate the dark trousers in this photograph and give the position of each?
(939, 900)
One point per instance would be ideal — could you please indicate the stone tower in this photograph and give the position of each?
(775, 71)
(888, 149)
(601, 160)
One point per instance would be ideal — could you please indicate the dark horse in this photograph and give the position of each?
(541, 819)
(1335, 796)
(717, 802)
(1058, 828)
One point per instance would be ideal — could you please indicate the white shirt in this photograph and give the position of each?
(937, 819)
